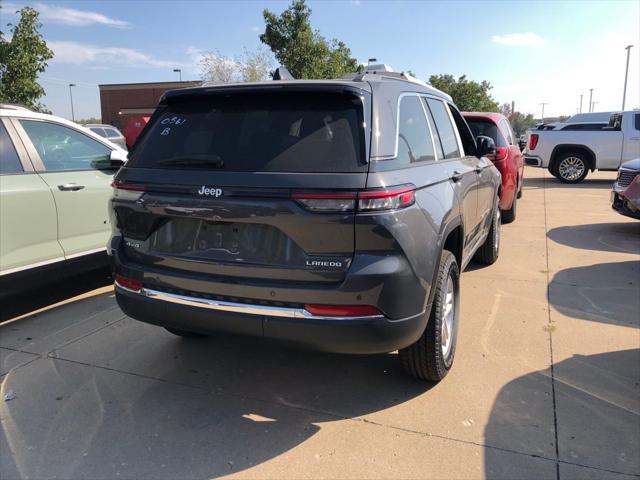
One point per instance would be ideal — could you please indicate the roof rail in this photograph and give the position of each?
(14, 106)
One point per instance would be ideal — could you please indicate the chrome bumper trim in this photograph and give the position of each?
(247, 309)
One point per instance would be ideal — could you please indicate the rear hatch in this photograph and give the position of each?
(251, 183)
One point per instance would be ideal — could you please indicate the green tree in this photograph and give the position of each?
(468, 95)
(302, 50)
(21, 60)
(521, 122)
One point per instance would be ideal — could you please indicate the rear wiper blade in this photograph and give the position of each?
(203, 160)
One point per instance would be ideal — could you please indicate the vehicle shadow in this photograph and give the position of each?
(588, 183)
(607, 237)
(32, 294)
(159, 406)
(597, 407)
(605, 292)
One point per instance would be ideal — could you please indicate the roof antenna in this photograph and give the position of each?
(282, 73)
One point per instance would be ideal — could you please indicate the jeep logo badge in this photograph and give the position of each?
(211, 191)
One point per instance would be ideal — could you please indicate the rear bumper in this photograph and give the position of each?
(534, 161)
(364, 335)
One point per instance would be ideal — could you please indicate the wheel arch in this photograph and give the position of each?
(563, 148)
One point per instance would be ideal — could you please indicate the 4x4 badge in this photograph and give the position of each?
(212, 191)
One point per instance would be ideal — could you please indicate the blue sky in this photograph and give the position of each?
(531, 52)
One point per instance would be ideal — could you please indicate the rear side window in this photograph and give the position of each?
(445, 129)
(414, 138)
(506, 129)
(636, 121)
(485, 127)
(310, 132)
(99, 131)
(112, 132)
(9, 161)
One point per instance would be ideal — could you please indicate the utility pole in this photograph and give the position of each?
(73, 118)
(543, 104)
(513, 109)
(590, 98)
(626, 75)
(580, 103)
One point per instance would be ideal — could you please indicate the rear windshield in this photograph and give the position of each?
(257, 132)
(486, 128)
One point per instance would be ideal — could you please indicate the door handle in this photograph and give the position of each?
(70, 187)
(634, 138)
(456, 176)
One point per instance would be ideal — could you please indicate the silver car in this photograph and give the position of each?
(109, 132)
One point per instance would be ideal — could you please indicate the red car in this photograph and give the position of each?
(508, 158)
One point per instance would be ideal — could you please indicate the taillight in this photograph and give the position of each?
(388, 199)
(128, 283)
(342, 310)
(134, 187)
(327, 201)
(533, 141)
(365, 201)
(501, 153)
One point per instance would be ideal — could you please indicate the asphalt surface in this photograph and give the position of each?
(546, 382)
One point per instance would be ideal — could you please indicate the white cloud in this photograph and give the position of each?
(82, 53)
(511, 39)
(69, 16)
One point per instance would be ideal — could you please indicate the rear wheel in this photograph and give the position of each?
(520, 189)
(431, 356)
(509, 216)
(185, 333)
(571, 168)
(490, 250)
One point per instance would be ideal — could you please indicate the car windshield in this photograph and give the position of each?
(258, 132)
(487, 128)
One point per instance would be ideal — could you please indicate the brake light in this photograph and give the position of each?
(501, 153)
(364, 201)
(327, 201)
(388, 199)
(533, 141)
(128, 283)
(134, 187)
(342, 310)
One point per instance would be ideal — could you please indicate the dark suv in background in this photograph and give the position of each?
(335, 214)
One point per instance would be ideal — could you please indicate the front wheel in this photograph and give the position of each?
(509, 216)
(570, 168)
(431, 356)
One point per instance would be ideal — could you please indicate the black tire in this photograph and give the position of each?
(427, 359)
(489, 251)
(508, 216)
(185, 333)
(520, 191)
(570, 167)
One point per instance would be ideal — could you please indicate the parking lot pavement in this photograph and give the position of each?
(546, 382)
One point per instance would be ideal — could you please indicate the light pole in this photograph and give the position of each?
(178, 71)
(580, 103)
(73, 118)
(590, 98)
(626, 74)
(594, 106)
(543, 104)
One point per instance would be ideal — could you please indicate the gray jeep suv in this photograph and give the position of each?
(334, 214)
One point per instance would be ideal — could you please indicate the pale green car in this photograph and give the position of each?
(55, 185)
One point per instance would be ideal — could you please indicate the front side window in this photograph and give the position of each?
(63, 148)
(9, 161)
(414, 138)
(636, 121)
(445, 129)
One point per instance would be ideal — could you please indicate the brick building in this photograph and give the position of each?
(119, 102)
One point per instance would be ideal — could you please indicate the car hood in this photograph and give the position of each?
(632, 164)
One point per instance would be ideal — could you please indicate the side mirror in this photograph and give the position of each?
(118, 158)
(486, 147)
(522, 143)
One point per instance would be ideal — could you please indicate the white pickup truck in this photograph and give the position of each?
(570, 154)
